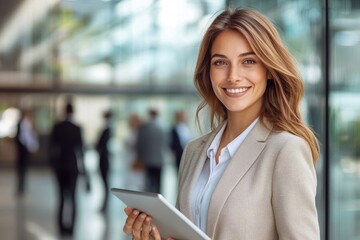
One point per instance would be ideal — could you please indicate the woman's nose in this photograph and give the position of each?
(234, 74)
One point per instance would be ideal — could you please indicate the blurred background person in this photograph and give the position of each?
(135, 174)
(26, 143)
(179, 136)
(103, 151)
(150, 150)
(66, 155)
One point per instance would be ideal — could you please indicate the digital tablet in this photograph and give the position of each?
(168, 219)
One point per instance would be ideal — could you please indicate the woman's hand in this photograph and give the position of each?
(138, 225)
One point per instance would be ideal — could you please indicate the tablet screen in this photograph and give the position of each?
(168, 219)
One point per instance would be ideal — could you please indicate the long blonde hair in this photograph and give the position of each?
(285, 88)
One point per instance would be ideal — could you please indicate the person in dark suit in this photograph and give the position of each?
(149, 149)
(66, 150)
(180, 135)
(103, 151)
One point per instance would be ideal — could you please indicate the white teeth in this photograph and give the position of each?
(236, 90)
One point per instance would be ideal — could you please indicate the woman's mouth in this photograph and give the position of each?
(236, 90)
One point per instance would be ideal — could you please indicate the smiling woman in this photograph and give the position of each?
(237, 75)
(256, 167)
(284, 86)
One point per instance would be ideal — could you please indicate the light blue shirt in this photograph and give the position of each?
(184, 133)
(211, 174)
(27, 136)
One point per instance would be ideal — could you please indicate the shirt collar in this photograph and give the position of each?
(216, 142)
(233, 146)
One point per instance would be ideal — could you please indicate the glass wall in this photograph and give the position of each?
(344, 131)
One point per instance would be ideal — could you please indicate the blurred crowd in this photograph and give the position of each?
(146, 146)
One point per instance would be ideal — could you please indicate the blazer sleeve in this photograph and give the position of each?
(180, 173)
(294, 191)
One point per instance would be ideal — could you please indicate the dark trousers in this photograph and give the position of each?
(153, 179)
(21, 167)
(67, 196)
(104, 170)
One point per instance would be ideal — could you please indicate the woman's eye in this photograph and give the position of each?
(249, 61)
(219, 63)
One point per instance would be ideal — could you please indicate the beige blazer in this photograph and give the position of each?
(267, 192)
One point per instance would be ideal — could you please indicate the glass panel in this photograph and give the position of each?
(345, 119)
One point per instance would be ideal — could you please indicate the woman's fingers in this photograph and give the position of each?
(128, 211)
(155, 233)
(138, 226)
(128, 227)
(146, 229)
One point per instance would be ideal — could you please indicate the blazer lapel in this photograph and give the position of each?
(240, 163)
(197, 162)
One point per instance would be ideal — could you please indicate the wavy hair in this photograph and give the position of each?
(285, 88)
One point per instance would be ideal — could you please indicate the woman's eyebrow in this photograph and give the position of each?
(240, 55)
(218, 55)
(246, 54)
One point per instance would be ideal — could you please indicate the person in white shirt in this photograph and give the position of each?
(26, 143)
(253, 176)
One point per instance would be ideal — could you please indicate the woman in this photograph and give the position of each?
(253, 176)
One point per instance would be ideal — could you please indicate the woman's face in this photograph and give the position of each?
(238, 77)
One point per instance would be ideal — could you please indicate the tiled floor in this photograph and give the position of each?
(32, 217)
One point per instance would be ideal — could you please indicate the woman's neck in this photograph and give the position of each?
(237, 123)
